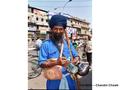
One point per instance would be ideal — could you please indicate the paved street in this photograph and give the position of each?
(37, 83)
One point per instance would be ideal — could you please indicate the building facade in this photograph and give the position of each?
(78, 28)
(37, 23)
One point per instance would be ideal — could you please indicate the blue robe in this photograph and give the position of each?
(49, 50)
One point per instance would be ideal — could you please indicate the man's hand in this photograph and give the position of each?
(62, 61)
(76, 60)
(49, 63)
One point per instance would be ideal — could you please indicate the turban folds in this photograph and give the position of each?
(58, 20)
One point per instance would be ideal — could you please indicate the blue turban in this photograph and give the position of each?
(58, 20)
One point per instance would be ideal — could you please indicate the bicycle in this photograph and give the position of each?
(34, 69)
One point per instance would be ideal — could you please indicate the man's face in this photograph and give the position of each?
(58, 29)
(58, 32)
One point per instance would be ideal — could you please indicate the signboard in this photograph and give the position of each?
(71, 31)
(43, 31)
(32, 28)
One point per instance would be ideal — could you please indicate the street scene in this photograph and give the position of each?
(78, 31)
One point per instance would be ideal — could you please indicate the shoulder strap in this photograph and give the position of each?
(61, 51)
(68, 43)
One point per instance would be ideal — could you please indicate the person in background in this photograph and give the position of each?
(50, 49)
(88, 50)
(38, 44)
(80, 51)
(75, 44)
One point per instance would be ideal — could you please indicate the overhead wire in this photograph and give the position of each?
(36, 1)
(67, 6)
(58, 1)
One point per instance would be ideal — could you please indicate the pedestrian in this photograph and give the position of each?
(38, 44)
(80, 51)
(51, 49)
(88, 50)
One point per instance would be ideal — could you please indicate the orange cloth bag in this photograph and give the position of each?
(53, 73)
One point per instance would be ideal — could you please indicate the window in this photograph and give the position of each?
(37, 18)
(28, 17)
(79, 31)
(46, 20)
(42, 19)
(37, 27)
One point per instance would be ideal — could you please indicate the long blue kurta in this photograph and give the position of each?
(49, 50)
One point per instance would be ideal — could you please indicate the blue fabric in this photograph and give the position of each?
(64, 83)
(58, 20)
(54, 84)
(49, 50)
